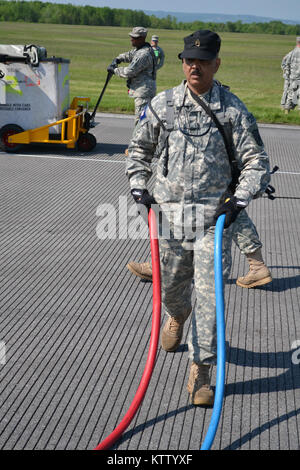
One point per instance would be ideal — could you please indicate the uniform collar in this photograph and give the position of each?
(211, 97)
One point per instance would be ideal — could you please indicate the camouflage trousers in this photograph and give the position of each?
(183, 269)
(284, 97)
(291, 95)
(139, 105)
(244, 234)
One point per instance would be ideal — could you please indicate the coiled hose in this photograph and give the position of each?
(220, 376)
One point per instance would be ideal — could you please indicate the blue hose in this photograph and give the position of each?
(220, 320)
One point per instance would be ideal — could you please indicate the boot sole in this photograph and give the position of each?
(209, 401)
(174, 349)
(142, 276)
(203, 403)
(261, 282)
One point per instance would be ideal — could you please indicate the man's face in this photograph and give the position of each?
(154, 43)
(137, 42)
(200, 73)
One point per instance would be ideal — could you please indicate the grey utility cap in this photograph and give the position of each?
(138, 32)
(154, 38)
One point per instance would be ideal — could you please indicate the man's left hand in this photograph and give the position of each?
(231, 207)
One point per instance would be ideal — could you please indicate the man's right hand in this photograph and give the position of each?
(141, 196)
(113, 65)
(111, 69)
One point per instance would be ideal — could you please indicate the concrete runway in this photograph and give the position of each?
(75, 324)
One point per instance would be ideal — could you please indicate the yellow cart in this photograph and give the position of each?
(34, 102)
(73, 131)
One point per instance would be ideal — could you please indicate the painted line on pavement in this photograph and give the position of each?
(62, 158)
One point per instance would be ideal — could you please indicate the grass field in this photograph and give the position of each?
(250, 63)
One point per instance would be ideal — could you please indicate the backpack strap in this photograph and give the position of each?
(169, 110)
(167, 127)
(153, 60)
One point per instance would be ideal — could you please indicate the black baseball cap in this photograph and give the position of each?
(203, 44)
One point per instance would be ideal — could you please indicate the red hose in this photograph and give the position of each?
(109, 441)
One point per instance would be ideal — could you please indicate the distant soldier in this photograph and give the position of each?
(159, 53)
(291, 74)
(141, 72)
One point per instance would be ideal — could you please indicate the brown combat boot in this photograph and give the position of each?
(258, 274)
(199, 385)
(142, 270)
(173, 330)
(126, 152)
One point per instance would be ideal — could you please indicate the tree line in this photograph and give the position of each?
(40, 12)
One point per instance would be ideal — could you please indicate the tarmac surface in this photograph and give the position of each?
(75, 324)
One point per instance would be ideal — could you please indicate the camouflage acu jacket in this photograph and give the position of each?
(141, 72)
(291, 65)
(160, 56)
(198, 170)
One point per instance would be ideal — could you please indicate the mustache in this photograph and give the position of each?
(196, 72)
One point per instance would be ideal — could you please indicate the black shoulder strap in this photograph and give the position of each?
(153, 60)
(227, 141)
(227, 137)
(169, 124)
(156, 116)
(208, 110)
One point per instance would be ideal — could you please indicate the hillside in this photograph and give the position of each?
(217, 18)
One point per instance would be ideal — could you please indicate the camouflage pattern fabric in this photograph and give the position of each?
(198, 175)
(291, 73)
(244, 234)
(183, 269)
(160, 56)
(139, 106)
(140, 73)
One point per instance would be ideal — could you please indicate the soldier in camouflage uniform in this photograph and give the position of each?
(158, 51)
(291, 74)
(141, 72)
(198, 175)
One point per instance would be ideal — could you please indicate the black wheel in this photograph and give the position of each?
(5, 132)
(86, 142)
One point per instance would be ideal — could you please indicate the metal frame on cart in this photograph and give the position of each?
(73, 131)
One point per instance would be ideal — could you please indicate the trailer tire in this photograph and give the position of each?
(5, 132)
(86, 142)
